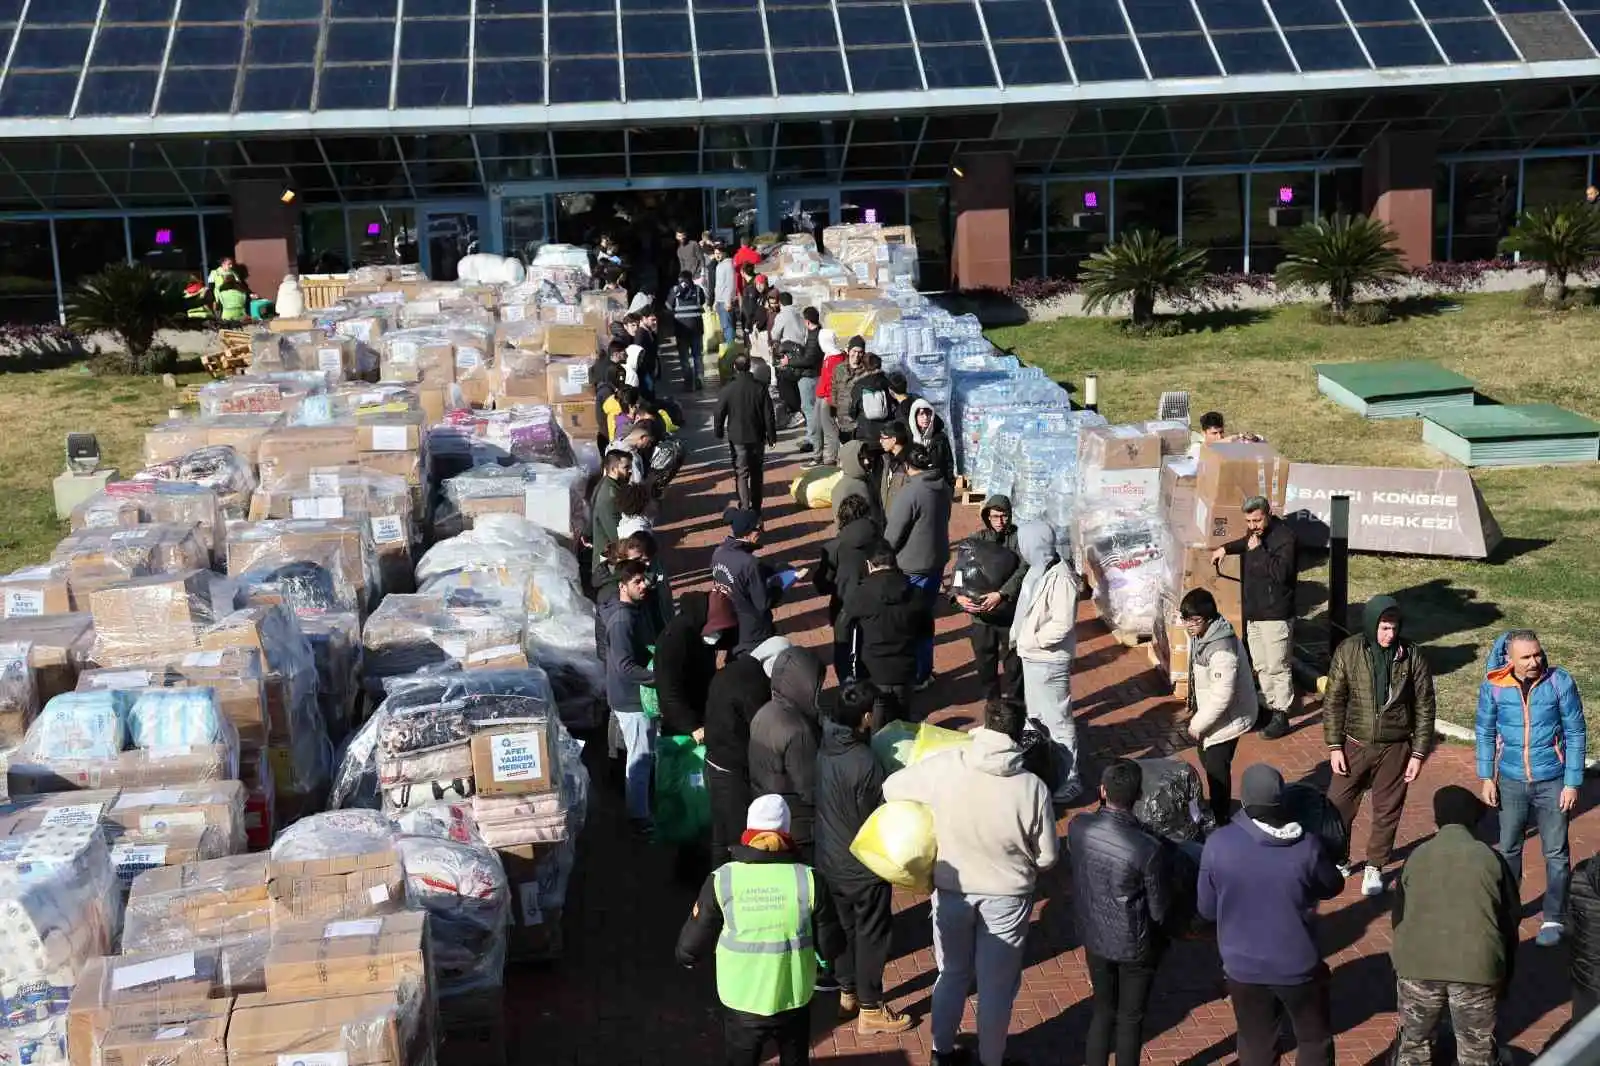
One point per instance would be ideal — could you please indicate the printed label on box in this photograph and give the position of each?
(569, 315)
(162, 823)
(387, 529)
(468, 358)
(425, 307)
(167, 968)
(129, 534)
(390, 439)
(515, 757)
(203, 658)
(528, 894)
(131, 860)
(512, 313)
(121, 679)
(317, 1058)
(455, 647)
(549, 506)
(24, 603)
(330, 360)
(322, 483)
(499, 651)
(99, 519)
(162, 798)
(354, 927)
(72, 817)
(378, 894)
(317, 507)
(403, 351)
(579, 373)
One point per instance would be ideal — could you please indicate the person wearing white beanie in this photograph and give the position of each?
(765, 917)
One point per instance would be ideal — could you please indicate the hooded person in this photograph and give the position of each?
(1377, 720)
(784, 736)
(928, 430)
(766, 916)
(999, 669)
(743, 579)
(737, 691)
(1261, 878)
(841, 568)
(855, 479)
(1044, 635)
(1222, 696)
(684, 666)
(889, 620)
(917, 527)
(995, 832)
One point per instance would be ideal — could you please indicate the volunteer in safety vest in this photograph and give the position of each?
(767, 915)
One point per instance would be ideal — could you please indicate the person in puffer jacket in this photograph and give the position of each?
(1044, 634)
(999, 669)
(1222, 698)
(784, 737)
(1530, 747)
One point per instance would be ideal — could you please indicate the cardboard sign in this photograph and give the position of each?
(1396, 511)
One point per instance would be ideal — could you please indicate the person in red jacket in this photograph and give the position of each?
(831, 357)
(745, 256)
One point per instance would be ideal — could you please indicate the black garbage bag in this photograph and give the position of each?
(1182, 863)
(665, 460)
(1039, 755)
(982, 567)
(1172, 802)
(1306, 804)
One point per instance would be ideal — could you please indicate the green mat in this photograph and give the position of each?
(1401, 389)
(1508, 434)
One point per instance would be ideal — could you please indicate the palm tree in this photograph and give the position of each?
(1562, 238)
(1341, 254)
(1141, 267)
(131, 302)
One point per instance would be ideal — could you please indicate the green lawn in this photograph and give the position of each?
(1256, 368)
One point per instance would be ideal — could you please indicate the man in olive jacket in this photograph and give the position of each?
(1377, 719)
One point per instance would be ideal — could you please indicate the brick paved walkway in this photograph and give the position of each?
(618, 998)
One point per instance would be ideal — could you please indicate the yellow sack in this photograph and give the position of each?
(814, 488)
(899, 744)
(896, 842)
(712, 325)
(932, 739)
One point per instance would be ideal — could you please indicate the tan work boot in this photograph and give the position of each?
(848, 1005)
(882, 1020)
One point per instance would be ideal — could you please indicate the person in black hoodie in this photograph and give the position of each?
(890, 618)
(843, 565)
(927, 429)
(849, 789)
(871, 405)
(737, 692)
(999, 669)
(784, 736)
(750, 585)
(684, 666)
(744, 415)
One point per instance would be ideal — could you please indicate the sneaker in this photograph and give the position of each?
(1345, 870)
(1277, 728)
(1372, 882)
(826, 983)
(923, 685)
(882, 1020)
(810, 464)
(1068, 794)
(1549, 934)
(849, 1005)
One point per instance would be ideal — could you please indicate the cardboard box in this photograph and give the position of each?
(577, 418)
(138, 768)
(243, 434)
(1228, 475)
(60, 647)
(574, 340)
(135, 1038)
(134, 852)
(335, 544)
(432, 399)
(169, 440)
(215, 899)
(217, 805)
(390, 433)
(410, 358)
(406, 465)
(1177, 495)
(34, 591)
(150, 615)
(291, 325)
(369, 1029)
(353, 955)
(96, 1006)
(297, 449)
(510, 760)
(567, 380)
(1195, 570)
(351, 886)
(501, 657)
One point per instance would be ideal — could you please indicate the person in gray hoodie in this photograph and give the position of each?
(1044, 636)
(784, 737)
(855, 479)
(995, 831)
(627, 652)
(918, 529)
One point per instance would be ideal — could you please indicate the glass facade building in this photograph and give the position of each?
(1015, 136)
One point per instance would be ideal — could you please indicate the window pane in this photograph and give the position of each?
(283, 44)
(738, 74)
(957, 66)
(197, 46)
(289, 10)
(1161, 16)
(517, 82)
(139, 10)
(1076, 222)
(1213, 219)
(360, 42)
(1279, 203)
(945, 22)
(1252, 53)
(431, 85)
(670, 78)
(118, 92)
(580, 80)
(577, 35)
(1307, 13)
(728, 30)
(1451, 9)
(801, 28)
(50, 49)
(1017, 19)
(277, 89)
(129, 46)
(434, 39)
(1027, 232)
(874, 25)
(1108, 59)
(29, 294)
(58, 12)
(37, 95)
(351, 88)
(1485, 208)
(170, 243)
(1479, 41)
(197, 92)
(883, 69)
(1553, 182)
(929, 214)
(1400, 46)
(1234, 15)
(1090, 18)
(655, 34)
(86, 245)
(809, 72)
(510, 37)
(361, 9)
(1326, 49)
(1147, 204)
(1183, 56)
(1031, 63)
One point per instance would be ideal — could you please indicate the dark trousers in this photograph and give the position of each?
(1217, 761)
(745, 1036)
(748, 474)
(1121, 993)
(789, 392)
(892, 705)
(867, 915)
(999, 669)
(1382, 769)
(1255, 1013)
(729, 794)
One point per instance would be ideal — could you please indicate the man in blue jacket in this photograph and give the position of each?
(1530, 759)
(1261, 877)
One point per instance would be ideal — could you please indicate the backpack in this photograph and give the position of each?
(875, 404)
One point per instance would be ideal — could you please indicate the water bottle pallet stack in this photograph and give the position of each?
(210, 847)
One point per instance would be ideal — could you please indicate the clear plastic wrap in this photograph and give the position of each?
(409, 632)
(116, 554)
(223, 468)
(335, 641)
(426, 354)
(156, 813)
(379, 502)
(1127, 561)
(543, 818)
(392, 1027)
(498, 544)
(259, 393)
(147, 616)
(214, 900)
(35, 590)
(327, 357)
(60, 647)
(310, 565)
(172, 440)
(19, 692)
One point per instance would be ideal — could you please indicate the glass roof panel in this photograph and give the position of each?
(1161, 16)
(118, 92)
(1234, 15)
(510, 37)
(431, 85)
(359, 42)
(1180, 55)
(196, 92)
(510, 7)
(361, 9)
(434, 8)
(1326, 49)
(1018, 20)
(129, 46)
(728, 30)
(434, 39)
(938, 22)
(1105, 59)
(1451, 9)
(591, 7)
(141, 10)
(1090, 18)
(801, 28)
(1307, 13)
(874, 70)
(1544, 36)
(1522, 7)
(1362, 11)
(1252, 52)
(1400, 46)
(27, 95)
(809, 72)
(956, 66)
(351, 87)
(1591, 26)
(277, 89)
(283, 43)
(656, 34)
(735, 74)
(1473, 41)
(50, 49)
(660, 78)
(285, 10)
(584, 80)
(508, 82)
(874, 25)
(1030, 62)
(63, 12)
(583, 35)
(201, 46)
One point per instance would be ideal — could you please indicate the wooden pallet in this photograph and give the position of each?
(232, 358)
(322, 290)
(964, 492)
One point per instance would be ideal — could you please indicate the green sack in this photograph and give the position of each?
(682, 806)
(649, 699)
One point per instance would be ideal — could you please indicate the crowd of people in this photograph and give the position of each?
(789, 911)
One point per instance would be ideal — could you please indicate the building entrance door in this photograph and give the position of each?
(448, 233)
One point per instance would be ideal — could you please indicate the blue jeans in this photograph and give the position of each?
(691, 346)
(808, 407)
(639, 734)
(929, 584)
(725, 317)
(1541, 800)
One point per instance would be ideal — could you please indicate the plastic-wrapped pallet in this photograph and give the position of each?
(259, 394)
(19, 692)
(222, 468)
(381, 503)
(126, 504)
(1126, 560)
(310, 564)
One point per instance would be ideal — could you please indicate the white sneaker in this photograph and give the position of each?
(1372, 882)
(1345, 870)
(1549, 934)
